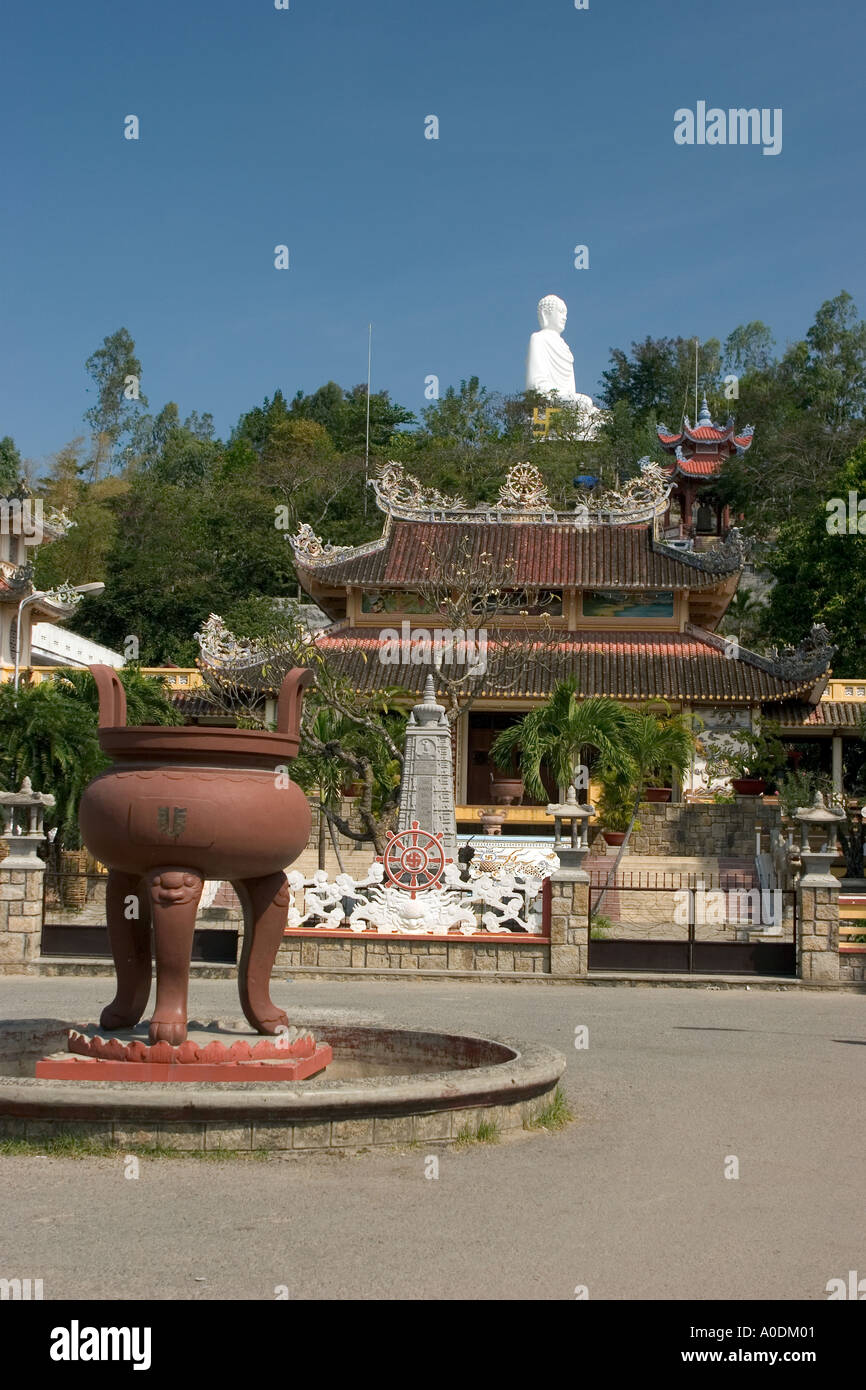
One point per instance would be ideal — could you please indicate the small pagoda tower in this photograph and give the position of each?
(699, 452)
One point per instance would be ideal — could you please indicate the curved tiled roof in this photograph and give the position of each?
(605, 557)
(827, 714)
(635, 665)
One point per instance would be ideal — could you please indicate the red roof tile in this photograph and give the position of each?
(627, 665)
(605, 557)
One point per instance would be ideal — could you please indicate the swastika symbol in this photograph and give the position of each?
(414, 860)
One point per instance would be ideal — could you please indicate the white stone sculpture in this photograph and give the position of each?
(483, 904)
(550, 362)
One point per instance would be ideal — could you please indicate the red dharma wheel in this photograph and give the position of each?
(414, 860)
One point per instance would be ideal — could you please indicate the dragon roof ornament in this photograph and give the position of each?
(807, 660)
(401, 494)
(310, 548)
(643, 496)
(729, 555)
(220, 647)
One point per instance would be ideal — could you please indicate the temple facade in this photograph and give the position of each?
(602, 593)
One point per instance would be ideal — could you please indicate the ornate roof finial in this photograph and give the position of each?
(705, 417)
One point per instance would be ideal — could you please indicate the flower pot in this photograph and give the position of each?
(658, 794)
(613, 837)
(505, 790)
(748, 786)
(352, 790)
(491, 821)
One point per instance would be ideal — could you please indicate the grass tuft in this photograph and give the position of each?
(555, 1115)
(67, 1145)
(487, 1132)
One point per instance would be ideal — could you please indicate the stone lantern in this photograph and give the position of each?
(816, 863)
(23, 813)
(573, 851)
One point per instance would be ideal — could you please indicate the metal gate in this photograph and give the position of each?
(690, 924)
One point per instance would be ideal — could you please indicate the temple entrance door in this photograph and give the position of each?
(484, 726)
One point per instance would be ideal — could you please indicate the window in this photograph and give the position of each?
(393, 601)
(601, 603)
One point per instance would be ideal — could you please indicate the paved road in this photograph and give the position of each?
(631, 1200)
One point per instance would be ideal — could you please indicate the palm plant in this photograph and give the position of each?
(652, 745)
(560, 734)
(148, 698)
(52, 739)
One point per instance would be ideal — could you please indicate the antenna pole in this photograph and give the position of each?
(696, 378)
(367, 446)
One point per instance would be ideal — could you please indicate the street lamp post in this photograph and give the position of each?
(80, 589)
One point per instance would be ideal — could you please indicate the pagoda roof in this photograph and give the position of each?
(550, 556)
(706, 431)
(692, 666)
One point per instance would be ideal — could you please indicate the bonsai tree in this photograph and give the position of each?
(560, 735)
(652, 744)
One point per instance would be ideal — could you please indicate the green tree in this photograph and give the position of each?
(11, 469)
(115, 372)
(657, 378)
(50, 738)
(820, 576)
(559, 735)
(464, 419)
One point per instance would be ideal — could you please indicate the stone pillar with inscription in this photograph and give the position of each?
(427, 787)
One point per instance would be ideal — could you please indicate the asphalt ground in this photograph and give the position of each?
(630, 1201)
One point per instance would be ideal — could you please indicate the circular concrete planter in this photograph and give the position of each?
(449, 1083)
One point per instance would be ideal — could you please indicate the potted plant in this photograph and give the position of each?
(560, 736)
(658, 793)
(650, 743)
(755, 760)
(614, 810)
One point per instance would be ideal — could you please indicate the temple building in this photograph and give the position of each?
(600, 593)
(23, 527)
(694, 509)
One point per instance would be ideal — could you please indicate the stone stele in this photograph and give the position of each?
(427, 788)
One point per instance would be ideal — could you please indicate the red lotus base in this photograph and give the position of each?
(290, 1056)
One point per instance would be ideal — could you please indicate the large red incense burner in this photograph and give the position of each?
(180, 805)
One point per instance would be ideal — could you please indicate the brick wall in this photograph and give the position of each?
(518, 955)
(702, 829)
(20, 918)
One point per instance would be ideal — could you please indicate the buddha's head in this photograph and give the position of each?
(552, 313)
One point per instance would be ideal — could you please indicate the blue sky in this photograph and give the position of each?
(306, 127)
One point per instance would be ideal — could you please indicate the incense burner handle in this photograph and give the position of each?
(112, 697)
(291, 701)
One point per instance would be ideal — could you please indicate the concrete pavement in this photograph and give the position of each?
(631, 1200)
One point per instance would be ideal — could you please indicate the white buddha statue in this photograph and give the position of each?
(550, 361)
